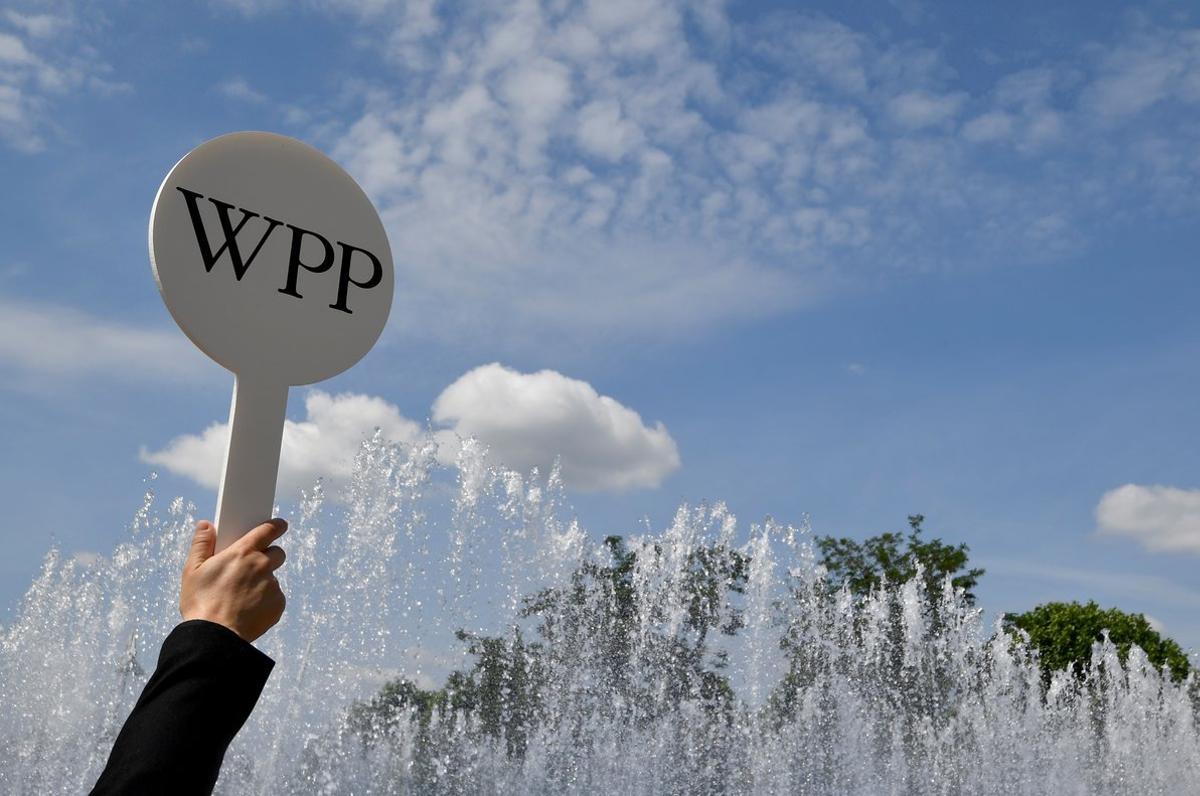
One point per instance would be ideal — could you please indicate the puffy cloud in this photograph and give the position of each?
(1161, 518)
(525, 421)
(528, 420)
(50, 340)
(323, 445)
(604, 132)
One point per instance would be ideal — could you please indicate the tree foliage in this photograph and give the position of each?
(597, 624)
(599, 620)
(875, 567)
(395, 699)
(897, 558)
(633, 633)
(1063, 634)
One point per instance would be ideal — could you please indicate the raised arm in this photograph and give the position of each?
(209, 676)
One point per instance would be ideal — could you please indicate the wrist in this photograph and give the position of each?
(216, 618)
(217, 645)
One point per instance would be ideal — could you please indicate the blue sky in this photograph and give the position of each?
(858, 260)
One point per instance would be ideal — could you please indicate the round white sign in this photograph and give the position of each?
(274, 262)
(271, 258)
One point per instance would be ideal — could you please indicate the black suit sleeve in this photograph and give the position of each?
(207, 681)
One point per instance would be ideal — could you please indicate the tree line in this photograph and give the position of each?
(598, 621)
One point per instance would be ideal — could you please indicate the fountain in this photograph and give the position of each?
(701, 659)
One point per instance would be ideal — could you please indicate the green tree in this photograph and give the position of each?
(501, 688)
(1063, 635)
(397, 697)
(593, 624)
(888, 559)
(384, 716)
(596, 622)
(894, 558)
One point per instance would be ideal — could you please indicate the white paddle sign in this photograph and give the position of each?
(274, 262)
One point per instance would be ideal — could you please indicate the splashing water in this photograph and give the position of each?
(699, 666)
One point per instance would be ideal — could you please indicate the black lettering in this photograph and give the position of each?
(228, 230)
(294, 264)
(344, 280)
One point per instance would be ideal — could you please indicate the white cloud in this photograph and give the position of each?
(237, 88)
(1161, 518)
(525, 421)
(251, 7)
(50, 340)
(1102, 585)
(990, 126)
(1148, 68)
(551, 173)
(39, 26)
(44, 58)
(827, 49)
(605, 133)
(1024, 111)
(528, 420)
(12, 50)
(555, 173)
(648, 168)
(919, 109)
(358, 8)
(86, 558)
(323, 445)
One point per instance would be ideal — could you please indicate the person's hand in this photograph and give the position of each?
(236, 587)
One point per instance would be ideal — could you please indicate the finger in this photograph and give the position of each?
(276, 556)
(204, 541)
(261, 536)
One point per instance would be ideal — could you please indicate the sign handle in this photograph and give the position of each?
(247, 493)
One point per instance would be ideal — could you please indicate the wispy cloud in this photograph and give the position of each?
(1150, 588)
(238, 88)
(47, 340)
(37, 26)
(45, 57)
(1027, 110)
(919, 109)
(1149, 68)
(646, 169)
(635, 169)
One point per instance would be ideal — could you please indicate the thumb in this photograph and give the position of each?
(204, 542)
